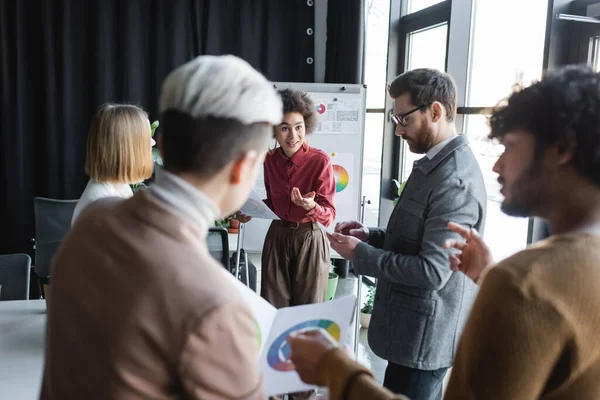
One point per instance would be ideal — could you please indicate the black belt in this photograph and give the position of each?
(295, 225)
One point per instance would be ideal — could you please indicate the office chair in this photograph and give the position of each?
(52, 222)
(14, 276)
(218, 245)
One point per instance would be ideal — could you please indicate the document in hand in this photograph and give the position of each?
(273, 326)
(256, 208)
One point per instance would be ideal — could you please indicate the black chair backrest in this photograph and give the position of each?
(218, 245)
(52, 222)
(14, 276)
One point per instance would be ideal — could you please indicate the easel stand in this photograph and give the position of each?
(240, 244)
(359, 290)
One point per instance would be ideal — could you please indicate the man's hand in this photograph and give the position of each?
(306, 201)
(344, 245)
(243, 218)
(353, 228)
(308, 349)
(474, 254)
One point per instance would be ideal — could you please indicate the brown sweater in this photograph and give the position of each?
(345, 377)
(533, 332)
(141, 310)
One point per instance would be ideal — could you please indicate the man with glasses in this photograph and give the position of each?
(421, 305)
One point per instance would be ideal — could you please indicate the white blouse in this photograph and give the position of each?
(99, 190)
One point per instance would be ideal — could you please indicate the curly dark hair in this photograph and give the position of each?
(561, 110)
(300, 102)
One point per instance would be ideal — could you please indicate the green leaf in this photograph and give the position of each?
(367, 308)
(401, 188)
(153, 127)
(137, 186)
(156, 158)
(221, 223)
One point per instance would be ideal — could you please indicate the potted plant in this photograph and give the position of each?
(367, 309)
(400, 187)
(331, 284)
(234, 224)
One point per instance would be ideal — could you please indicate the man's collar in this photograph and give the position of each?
(425, 165)
(432, 152)
(193, 204)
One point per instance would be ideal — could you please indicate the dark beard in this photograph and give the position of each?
(527, 192)
(423, 141)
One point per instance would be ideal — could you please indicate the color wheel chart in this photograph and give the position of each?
(341, 178)
(343, 172)
(278, 356)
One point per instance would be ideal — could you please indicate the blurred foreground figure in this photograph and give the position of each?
(139, 307)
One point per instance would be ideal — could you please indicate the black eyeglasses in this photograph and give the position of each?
(400, 119)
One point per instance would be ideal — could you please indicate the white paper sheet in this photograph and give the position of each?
(263, 312)
(274, 326)
(279, 375)
(337, 114)
(256, 207)
(328, 229)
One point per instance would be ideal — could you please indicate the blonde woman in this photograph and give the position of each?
(119, 153)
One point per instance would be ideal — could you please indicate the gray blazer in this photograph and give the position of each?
(420, 305)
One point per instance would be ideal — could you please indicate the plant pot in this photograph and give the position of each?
(365, 320)
(234, 226)
(331, 286)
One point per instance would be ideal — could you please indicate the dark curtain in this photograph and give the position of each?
(344, 61)
(61, 59)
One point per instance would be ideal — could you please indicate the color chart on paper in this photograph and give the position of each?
(341, 178)
(279, 352)
(343, 171)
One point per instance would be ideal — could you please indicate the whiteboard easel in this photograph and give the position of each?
(345, 149)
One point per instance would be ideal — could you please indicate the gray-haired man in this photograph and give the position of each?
(139, 307)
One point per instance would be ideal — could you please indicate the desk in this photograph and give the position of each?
(22, 336)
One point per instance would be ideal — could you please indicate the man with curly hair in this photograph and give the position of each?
(533, 330)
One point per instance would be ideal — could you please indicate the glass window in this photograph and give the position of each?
(372, 166)
(376, 52)
(418, 5)
(502, 57)
(375, 78)
(504, 234)
(426, 49)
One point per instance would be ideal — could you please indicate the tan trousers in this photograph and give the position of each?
(295, 269)
(295, 264)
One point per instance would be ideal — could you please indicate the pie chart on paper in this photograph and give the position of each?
(321, 108)
(278, 356)
(342, 178)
